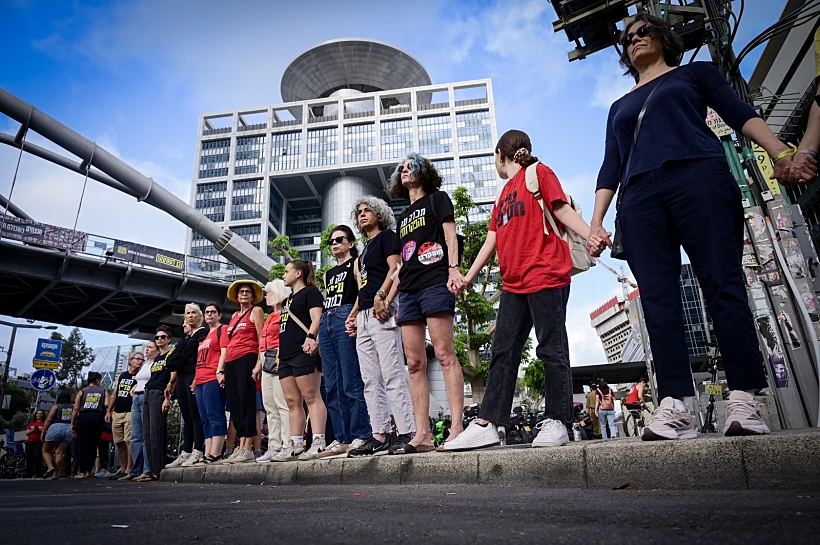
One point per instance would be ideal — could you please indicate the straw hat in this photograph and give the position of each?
(233, 291)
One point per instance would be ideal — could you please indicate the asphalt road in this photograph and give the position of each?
(85, 511)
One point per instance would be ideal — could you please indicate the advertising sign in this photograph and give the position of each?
(48, 354)
(33, 232)
(43, 379)
(148, 255)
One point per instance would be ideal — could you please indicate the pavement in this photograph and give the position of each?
(785, 460)
(98, 511)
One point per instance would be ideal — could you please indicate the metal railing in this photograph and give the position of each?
(221, 130)
(254, 127)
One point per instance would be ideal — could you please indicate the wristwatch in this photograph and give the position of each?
(220, 372)
(454, 265)
(311, 336)
(381, 294)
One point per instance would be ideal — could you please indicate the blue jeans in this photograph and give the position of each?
(211, 400)
(138, 451)
(344, 389)
(607, 419)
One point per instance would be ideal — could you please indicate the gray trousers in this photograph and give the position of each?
(381, 360)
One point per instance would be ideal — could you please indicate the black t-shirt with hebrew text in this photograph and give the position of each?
(373, 266)
(422, 247)
(340, 285)
(125, 382)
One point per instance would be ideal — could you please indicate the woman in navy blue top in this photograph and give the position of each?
(679, 191)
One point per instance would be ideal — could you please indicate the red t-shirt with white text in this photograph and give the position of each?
(529, 260)
(207, 359)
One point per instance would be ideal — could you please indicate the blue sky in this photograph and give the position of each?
(135, 75)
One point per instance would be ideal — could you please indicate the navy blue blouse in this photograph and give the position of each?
(674, 125)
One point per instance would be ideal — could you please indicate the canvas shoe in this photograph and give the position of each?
(551, 433)
(743, 415)
(246, 456)
(335, 450)
(669, 422)
(195, 457)
(181, 459)
(368, 448)
(265, 458)
(316, 447)
(288, 453)
(475, 436)
(235, 457)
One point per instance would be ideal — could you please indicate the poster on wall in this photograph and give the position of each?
(33, 232)
(149, 256)
(772, 349)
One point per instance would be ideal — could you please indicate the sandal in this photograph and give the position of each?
(210, 460)
(407, 448)
(49, 473)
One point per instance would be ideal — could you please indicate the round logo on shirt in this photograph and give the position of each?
(408, 250)
(430, 252)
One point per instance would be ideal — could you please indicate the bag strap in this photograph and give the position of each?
(296, 319)
(534, 188)
(231, 332)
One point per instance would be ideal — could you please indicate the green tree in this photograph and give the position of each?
(280, 246)
(474, 331)
(533, 381)
(75, 356)
(19, 399)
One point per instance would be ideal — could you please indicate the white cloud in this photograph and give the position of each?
(610, 85)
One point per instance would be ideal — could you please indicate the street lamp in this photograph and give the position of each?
(14, 328)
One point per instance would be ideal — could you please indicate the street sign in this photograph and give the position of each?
(43, 379)
(716, 123)
(48, 354)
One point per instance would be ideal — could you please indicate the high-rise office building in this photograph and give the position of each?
(353, 109)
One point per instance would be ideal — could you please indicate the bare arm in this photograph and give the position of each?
(571, 219)
(483, 257)
(381, 308)
(49, 420)
(258, 319)
(759, 132)
(811, 140)
(76, 411)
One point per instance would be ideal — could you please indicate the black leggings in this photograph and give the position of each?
(89, 428)
(241, 391)
(193, 435)
(34, 458)
(155, 430)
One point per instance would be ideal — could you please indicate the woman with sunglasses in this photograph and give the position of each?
(243, 367)
(677, 190)
(209, 393)
(156, 407)
(429, 252)
(344, 390)
(378, 338)
(139, 450)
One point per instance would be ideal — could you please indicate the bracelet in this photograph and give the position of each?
(791, 151)
(808, 152)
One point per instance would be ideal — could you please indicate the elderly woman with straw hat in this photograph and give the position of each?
(243, 364)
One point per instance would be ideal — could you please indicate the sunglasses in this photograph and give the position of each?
(641, 32)
(337, 240)
(158, 337)
(246, 291)
(402, 168)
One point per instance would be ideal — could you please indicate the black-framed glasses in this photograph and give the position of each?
(159, 337)
(641, 32)
(337, 240)
(137, 359)
(246, 291)
(401, 168)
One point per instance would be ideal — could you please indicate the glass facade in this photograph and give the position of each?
(360, 143)
(214, 157)
(275, 209)
(202, 247)
(396, 138)
(693, 309)
(435, 134)
(285, 151)
(210, 200)
(447, 169)
(247, 199)
(479, 176)
(250, 155)
(481, 212)
(323, 147)
(251, 233)
(474, 130)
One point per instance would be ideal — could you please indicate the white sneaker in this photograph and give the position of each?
(475, 436)
(181, 459)
(551, 433)
(193, 458)
(288, 453)
(316, 446)
(669, 422)
(239, 456)
(335, 450)
(743, 415)
(265, 458)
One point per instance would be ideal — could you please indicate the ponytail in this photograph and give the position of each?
(306, 271)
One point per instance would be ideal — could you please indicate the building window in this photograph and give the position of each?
(275, 209)
(435, 135)
(285, 151)
(397, 138)
(359, 143)
(474, 130)
(478, 175)
(303, 241)
(202, 247)
(247, 199)
(250, 155)
(447, 169)
(251, 233)
(309, 255)
(214, 157)
(322, 147)
(313, 227)
(210, 200)
(480, 213)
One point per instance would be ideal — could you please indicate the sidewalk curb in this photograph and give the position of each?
(783, 460)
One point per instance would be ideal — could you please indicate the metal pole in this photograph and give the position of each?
(8, 359)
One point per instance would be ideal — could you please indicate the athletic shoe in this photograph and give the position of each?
(116, 476)
(743, 415)
(334, 450)
(669, 422)
(230, 456)
(369, 448)
(195, 457)
(551, 433)
(181, 459)
(244, 456)
(288, 453)
(475, 436)
(101, 474)
(316, 446)
(265, 458)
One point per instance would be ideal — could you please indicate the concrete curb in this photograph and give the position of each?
(783, 460)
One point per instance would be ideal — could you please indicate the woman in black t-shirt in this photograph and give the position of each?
(429, 253)
(300, 368)
(344, 390)
(157, 404)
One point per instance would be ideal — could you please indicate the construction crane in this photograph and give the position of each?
(626, 283)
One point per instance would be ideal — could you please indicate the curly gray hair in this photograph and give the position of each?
(379, 207)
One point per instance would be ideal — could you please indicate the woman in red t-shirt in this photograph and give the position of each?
(535, 266)
(209, 393)
(34, 445)
(243, 367)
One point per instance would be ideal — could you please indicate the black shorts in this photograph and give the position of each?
(418, 306)
(299, 366)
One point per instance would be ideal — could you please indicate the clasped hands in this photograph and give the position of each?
(799, 168)
(599, 240)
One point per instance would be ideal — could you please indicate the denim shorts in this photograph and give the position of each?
(418, 306)
(59, 433)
